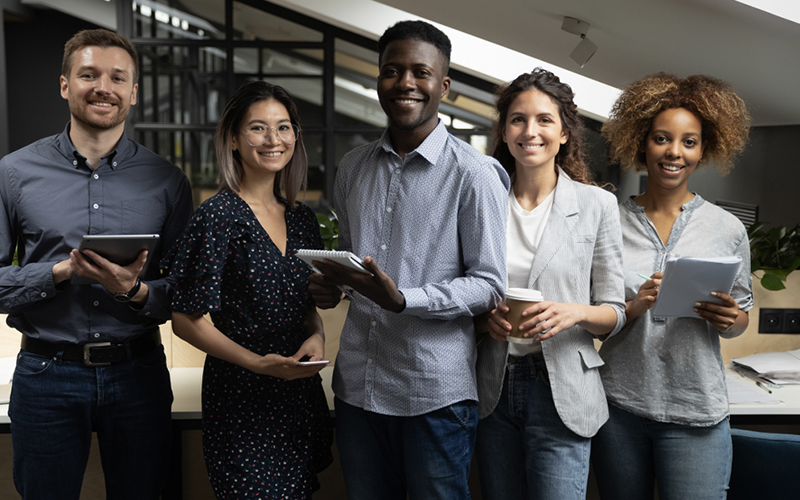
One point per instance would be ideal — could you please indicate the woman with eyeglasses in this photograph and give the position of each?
(266, 423)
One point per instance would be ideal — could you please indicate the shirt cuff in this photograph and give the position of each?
(416, 301)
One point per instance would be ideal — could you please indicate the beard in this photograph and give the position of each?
(81, 113)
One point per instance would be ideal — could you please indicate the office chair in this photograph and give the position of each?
(765, 466)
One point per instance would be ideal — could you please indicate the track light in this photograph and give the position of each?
(586, 48)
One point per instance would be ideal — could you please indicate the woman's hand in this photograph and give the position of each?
(645, 298)
(290, 368)
(546, 319)
(722, 316)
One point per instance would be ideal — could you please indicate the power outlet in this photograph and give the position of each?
(770, 321)
(791, 321)
(779, 321)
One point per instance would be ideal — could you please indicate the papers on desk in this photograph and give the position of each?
(742, 392)
(689, 280)
(773, 367)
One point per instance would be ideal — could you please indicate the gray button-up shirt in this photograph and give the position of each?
(435, 223)
(671, 369)
(50, 198)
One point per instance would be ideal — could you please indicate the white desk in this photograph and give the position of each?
(186, 389)
(785, 412)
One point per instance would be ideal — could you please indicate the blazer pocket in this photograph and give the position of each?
(590, 357)
(584, 238)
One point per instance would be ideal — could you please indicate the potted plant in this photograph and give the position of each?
(774, 252)
(329, 228)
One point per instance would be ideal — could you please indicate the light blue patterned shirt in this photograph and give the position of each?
(435, 223)
(670, 369)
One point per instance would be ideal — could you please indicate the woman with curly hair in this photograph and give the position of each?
(664, 377)
(542, 400)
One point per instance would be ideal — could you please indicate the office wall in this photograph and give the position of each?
(767, 175)
(34, 49)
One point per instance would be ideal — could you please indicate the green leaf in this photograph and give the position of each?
(776, 233)
(772, 282)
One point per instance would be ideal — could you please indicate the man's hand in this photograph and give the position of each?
(324, 290)
(114, 278)
(379, 287)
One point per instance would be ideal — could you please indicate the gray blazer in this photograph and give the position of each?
(579, 259)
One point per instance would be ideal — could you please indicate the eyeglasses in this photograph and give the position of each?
(257, 135)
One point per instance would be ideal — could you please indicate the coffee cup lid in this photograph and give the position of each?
(524, 294)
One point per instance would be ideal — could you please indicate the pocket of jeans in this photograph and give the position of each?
(31, 364)
(590, 357)
(153, 359)
(463, 413)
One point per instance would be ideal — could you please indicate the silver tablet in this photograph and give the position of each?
(121, 249)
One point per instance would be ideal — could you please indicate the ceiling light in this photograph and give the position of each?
(586, 48)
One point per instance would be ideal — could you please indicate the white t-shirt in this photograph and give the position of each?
(523, 233)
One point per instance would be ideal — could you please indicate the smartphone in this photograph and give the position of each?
(315, 363)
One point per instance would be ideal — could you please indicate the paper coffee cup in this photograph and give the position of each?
(519, 299)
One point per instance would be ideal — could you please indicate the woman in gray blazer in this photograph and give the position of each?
(541, 402)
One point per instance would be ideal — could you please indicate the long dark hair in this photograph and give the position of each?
(290, 180)
(570, 156)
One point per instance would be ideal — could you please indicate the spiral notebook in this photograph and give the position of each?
(347, 259)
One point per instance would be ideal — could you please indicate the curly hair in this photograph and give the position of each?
(722, 114)
(292, 178)
(570, 157)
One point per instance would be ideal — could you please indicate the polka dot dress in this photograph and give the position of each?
(263, 437)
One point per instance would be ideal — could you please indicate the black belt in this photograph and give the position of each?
(94, 354)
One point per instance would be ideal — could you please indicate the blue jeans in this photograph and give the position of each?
(632, 453)
(426, 456)
(524, 450)
(54, 406)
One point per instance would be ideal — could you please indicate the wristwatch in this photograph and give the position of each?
(126, 297)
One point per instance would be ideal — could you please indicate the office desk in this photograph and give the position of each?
(785, 413)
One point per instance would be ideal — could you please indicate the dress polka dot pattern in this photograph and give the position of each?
(263, 437)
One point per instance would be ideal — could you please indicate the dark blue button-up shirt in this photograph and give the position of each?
(50, 198)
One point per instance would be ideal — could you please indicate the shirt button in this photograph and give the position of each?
(96, 176)
(43, 294)
(96, 303)
(97, 335)
(147, 313)
(397, 171)
(389, 209)
(115, 164)
(374, 323)
(95, 206)
(383, 247)
(74, 162)
(369, 361)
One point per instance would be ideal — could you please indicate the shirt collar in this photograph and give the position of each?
(686, 207)
(64, 145)
(430, 149)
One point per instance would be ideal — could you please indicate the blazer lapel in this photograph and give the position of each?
(558, 227)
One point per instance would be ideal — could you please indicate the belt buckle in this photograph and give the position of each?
(87, 355)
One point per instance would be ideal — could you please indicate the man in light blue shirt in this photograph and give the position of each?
(427, 212)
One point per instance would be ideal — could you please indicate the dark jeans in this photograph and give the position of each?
(54, 406)
(426, 456)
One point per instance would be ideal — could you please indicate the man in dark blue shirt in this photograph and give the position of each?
(91, 354)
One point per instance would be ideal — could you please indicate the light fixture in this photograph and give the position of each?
(586, 48)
